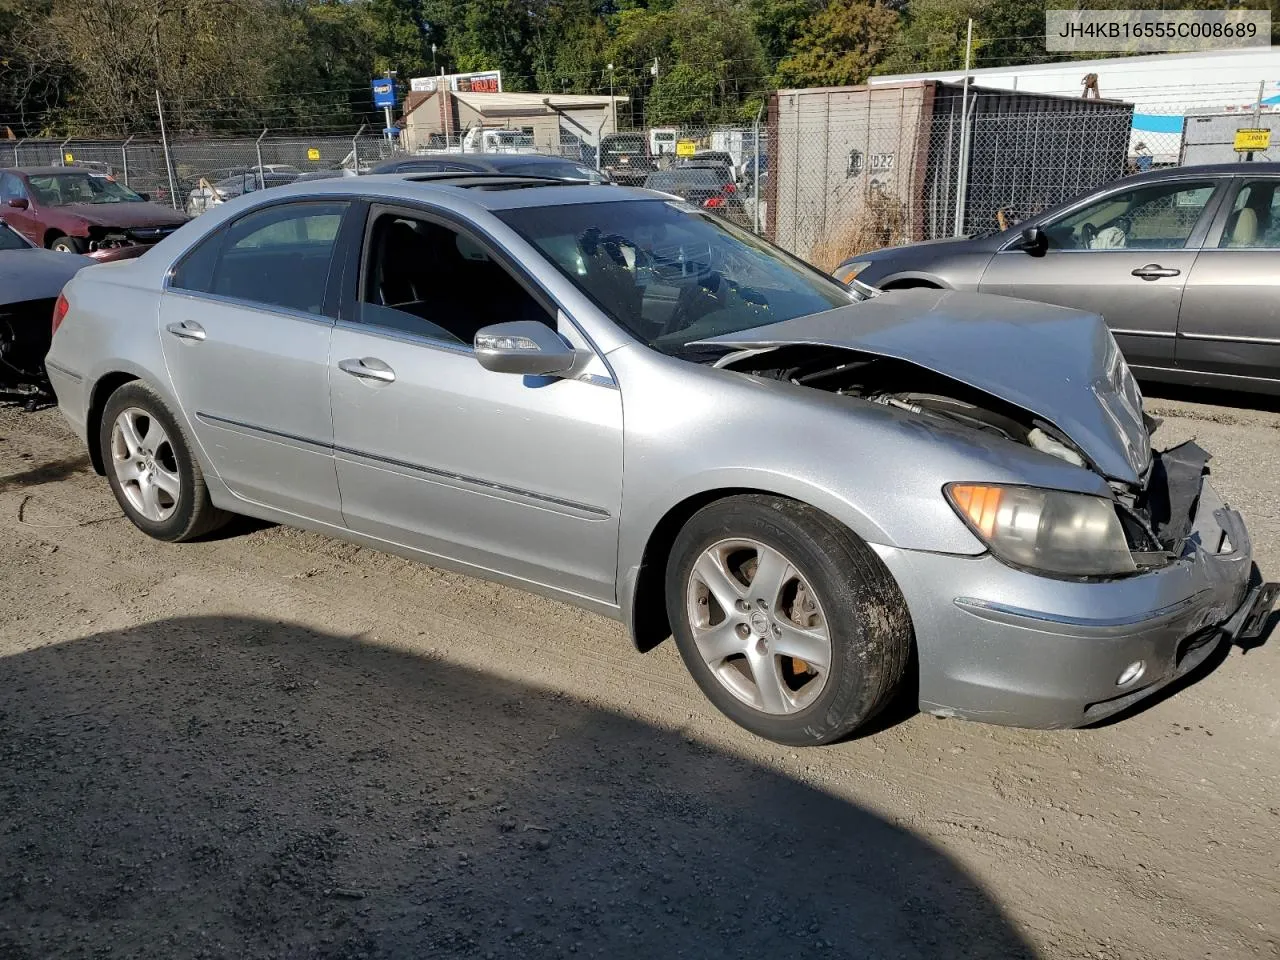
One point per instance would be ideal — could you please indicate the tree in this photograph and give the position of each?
(839, 45)
(778, 24)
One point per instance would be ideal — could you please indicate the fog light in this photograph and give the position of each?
(1131, 673)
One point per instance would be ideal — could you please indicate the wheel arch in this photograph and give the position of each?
(913, 282)
(643, 607)
(102, 389)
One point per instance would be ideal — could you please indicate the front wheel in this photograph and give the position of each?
(155, 478)
(69, 245)
(789, 623)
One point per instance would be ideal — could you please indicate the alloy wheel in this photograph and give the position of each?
(758, 625)
(145, 464)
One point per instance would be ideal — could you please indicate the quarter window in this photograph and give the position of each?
(279, 256)
(1254, 221)
(1157, 217)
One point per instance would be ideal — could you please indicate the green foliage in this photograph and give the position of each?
(93, 66)
(839, 45)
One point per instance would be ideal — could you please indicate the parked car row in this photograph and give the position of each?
(638, 407)
(75, 210)
(1183, 262)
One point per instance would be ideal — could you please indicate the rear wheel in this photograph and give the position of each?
(69, 245)
(789, 623)
(155, 478)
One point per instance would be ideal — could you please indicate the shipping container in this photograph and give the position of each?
(860, 167)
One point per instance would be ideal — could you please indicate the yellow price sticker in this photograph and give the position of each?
(1249, 140)
(686, 148)
(313, 153)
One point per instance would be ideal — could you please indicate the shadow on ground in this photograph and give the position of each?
(46, 473)
(1212, 396)
(240, 788)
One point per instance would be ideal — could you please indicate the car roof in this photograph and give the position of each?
(44, 171)
(1207, 170)
(479, 161)
(488, 191)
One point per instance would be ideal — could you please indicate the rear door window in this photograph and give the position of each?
(1254, 221)
(280, 256)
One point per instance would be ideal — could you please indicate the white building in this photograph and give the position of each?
(1163, 88)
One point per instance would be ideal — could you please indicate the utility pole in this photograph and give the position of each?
(168, 160)
(613, 106)
(1257, 116)
(962, 168)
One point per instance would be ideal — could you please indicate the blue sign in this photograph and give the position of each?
(384, 93)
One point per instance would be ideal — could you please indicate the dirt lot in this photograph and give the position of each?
(276, 745)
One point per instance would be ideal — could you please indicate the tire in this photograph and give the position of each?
(146, 469)
(841, 590)
(69, 245)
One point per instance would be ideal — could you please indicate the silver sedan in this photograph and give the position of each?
(829, 496)
(1182, 262)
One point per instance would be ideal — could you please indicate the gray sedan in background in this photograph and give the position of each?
(619, 400)
(1184, 264)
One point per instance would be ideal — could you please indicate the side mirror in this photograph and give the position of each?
(1034, 241)
(19, 203)
(523, 346)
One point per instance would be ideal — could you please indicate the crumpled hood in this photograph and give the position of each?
(36, 274)
(124, 215)
(1060, 364)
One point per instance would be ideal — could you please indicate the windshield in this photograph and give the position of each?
(625, 145)
(60, 189)
(10, 239)
(670, 274)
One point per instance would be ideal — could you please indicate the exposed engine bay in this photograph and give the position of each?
(1157, 515)
(24, 340)
(109, 238)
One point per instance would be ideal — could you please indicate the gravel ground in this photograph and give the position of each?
(272, 744)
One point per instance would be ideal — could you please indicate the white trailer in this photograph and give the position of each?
(1163, 88)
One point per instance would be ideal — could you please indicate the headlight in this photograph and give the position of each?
(850, 271)
(1069, 534)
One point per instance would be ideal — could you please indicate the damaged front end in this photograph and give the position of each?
(1159, 511)
(122, 243)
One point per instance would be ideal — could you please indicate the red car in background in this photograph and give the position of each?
(84, 211)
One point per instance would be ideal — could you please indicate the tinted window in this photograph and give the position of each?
(11, 239)
(670, 274)
(428, 280)
(280, 256)
(195, 271)
(1254, 221)
(1156, 217)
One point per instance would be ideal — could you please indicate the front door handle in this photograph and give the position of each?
(368, 368)
(187, 330)
(1153, 271)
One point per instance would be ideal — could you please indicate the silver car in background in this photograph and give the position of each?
(1184, 264)
(618, 400)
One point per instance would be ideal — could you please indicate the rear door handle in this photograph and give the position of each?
(187, 330)
(368, 368)
(1153, 271)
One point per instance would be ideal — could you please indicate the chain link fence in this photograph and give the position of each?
(192, 174)
(825, 173)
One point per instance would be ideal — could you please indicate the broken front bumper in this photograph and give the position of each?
(1007, 646)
